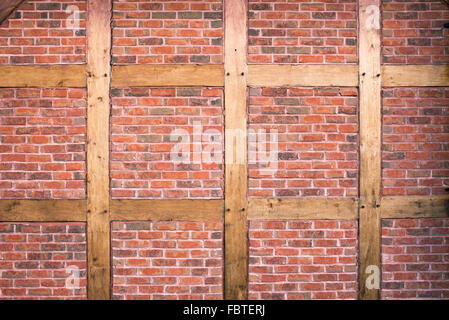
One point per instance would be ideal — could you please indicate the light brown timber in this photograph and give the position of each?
(401, 207)
(69, 76)
(167, 210)
(370, 144)
(167, 75)
(236, 234)
(415, 76)
(42, 210)
(305, 208)
(302, 75)
(98, 84)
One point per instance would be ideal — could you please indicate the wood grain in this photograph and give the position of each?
(167, 210)
(7, 7)
(69, 76)
(305, 208)
(415, 207)
(99, 76)
(302, 75)
(415, 76)
(167, 75)
(236, 234)
(370, 143)
(42, 210)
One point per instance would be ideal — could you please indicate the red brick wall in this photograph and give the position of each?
(41, 32)
(317, 141)
(284, 31)
(168, 32)
(42, 148)
(303, 259)
(34, 258)
(167, 260)
(413, 32)
(415, 259)
(142, 122)
(415, 155)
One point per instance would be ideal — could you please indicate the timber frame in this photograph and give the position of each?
(235, 209)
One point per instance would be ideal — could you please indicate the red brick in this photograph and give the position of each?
(306, 135)
(188, 266)
(411, 32)
(412, 158)
(304, 270)
(403, 273)
(177, 32)
(45, 42)
(141, 147)
(34, 279)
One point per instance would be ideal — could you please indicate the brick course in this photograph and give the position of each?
(142, 121)
(34, 258)
(44, 32)
(167, 260)
(317, 141)
(415, 155)
(303, 259)
(42, 150)
(413, 32)
(284, 31)
(415, 259)
(147, 32)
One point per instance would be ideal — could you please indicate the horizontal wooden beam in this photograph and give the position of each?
(415, 76)
(303, 208)
(42, 210)
(210, 75)
(39, 76)
(415, 207)
(302, 75)
(69, 76)
(211, 210)
(159, 210)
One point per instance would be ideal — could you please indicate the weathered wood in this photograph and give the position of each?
(74, 76)
(415, 76)
(167, 75)
(370, 143)
(302, 75)
(7, 7)
(42, 210)
(305, 208)
(69, 76)
(236, 234)
(99, 75)
(167, 210)
(415, 207)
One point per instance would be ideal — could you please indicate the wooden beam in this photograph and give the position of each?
(7, 7)
(42, 210)
(98, 87)
(415, 76)
(303, 208)
(167, 210)
(167, 75)
(302, 75)
(415, 207)
(236, 234)
(69, 76)
(370, 144)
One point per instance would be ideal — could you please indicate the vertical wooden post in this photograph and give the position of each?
(370, 145)
(98, 85)
(236, 235)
